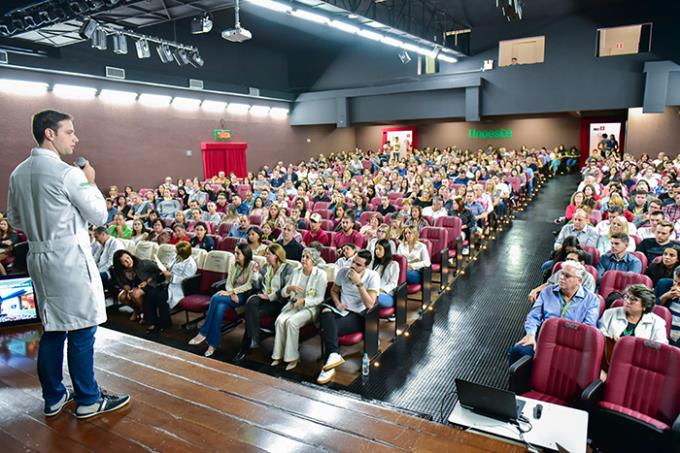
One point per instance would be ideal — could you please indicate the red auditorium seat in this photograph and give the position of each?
(224, 228)
(198, 289)
(593, 252)
(327, 225)
(453, 226)
(439, 255)
(619, 280)
(568, 358)
(321, 206)
(425, 288)
(325, 214)
(228, 243)
(255, 219)
(659, 310)
(329, 254)
(399, 309)
(365, 217)
(641, 398)
(643, 259)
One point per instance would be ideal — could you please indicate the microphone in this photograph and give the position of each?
(81, 162)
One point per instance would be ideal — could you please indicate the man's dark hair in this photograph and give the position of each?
(101, 230)
(47, 119)
(623, 237)
(366, 255)
(580, 254)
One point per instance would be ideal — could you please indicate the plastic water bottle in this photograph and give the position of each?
(365, 365)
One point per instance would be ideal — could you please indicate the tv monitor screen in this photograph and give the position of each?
(17, 301)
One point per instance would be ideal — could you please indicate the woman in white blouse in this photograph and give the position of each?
(416, 254)
(306, 291)
(184, 267)
(388, 269)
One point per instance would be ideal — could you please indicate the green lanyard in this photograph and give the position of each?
(564, 305)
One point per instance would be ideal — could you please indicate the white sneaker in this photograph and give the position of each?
(325, 377)
(466, 251)
(334, 360)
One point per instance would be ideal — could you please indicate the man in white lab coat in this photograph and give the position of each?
(53, 202)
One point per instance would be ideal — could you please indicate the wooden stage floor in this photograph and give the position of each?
(183, 402)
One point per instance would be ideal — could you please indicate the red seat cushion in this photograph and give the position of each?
(195, 303)
(267, 321)
(386, 312)
(414, 288)
(230, 315)
(436, 267)
(308, 331)
(544, 397)
(351, 338)
(635, 414)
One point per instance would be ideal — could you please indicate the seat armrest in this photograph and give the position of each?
(427, 285)
(372, 331)
(676, 426)
(191, 284)
(592, 394)
(520, 375)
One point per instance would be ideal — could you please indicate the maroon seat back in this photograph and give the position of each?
(403, 266)
(324, 213)
(224, 228)
(595, 217)
(329, 254)
(643, 259)
(659, 310)
(644, 381)
(321, 206)
(439, 238)
(453, 226)
(365, 217)
(619, 280)
(228, 244)
(636, 239)
(568, 359)
(255, 219)
(327, 225)
(593, 252)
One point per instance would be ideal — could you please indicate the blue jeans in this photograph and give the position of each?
(516, 352)
(212, 329)
(546, 266)
(80, 351)
(385, 300)
(413, 277)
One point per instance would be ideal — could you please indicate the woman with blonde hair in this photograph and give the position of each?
(618, 224)
(305, 292)
(416, 255)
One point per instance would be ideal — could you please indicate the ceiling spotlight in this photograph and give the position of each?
(181, 57)
(195, 60)
(120, 44)
(143, 50)
(201, 24)
(404, 56)
(99, 39)
(164, 53)
(88, 29)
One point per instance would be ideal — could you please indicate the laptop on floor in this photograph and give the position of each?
(489, 401)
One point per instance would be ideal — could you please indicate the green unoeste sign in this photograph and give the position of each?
(492, 133)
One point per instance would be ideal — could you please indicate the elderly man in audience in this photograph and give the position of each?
(654, 247)
(618, 258)
(355, 290)
(140, 208)
(167, 206)
(573, 255)
(292, 247)
(436, 210)
(240, 230)
(568, 299)
(347, 233)
(579, 228)
(103, 256)
(635, 318)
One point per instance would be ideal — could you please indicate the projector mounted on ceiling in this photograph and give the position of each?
(238, 33)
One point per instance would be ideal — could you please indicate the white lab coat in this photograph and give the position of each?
(180, 271)
(52, 202)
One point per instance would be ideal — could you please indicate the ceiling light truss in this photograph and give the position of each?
(419, 18)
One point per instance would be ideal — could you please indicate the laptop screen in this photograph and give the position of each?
(486, 400)
(17, 301)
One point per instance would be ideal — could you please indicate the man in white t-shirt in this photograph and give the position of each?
(436, 210)
(355, 290)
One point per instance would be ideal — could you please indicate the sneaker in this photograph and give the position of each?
(51, 411)
(392, 318)
(107, 403)
(466, 251)
(334, 360)
(325, 377)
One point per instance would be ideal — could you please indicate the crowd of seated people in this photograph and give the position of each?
(354, 211)
(623, 218)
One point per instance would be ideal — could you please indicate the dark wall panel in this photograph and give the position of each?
(428, 104)
(673, 94)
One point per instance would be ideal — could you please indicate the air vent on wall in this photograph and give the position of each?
(196, 84)
(254, 91)
(115, 73)
(3, 57)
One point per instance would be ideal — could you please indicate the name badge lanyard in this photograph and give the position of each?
(564, 305)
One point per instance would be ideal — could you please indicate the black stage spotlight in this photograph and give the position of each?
(201, 24)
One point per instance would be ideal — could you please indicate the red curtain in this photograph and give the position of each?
(224, 156)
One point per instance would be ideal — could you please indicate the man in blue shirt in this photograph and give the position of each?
(618, 259)
(240, 230)
(568, 300)
(239, 206)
